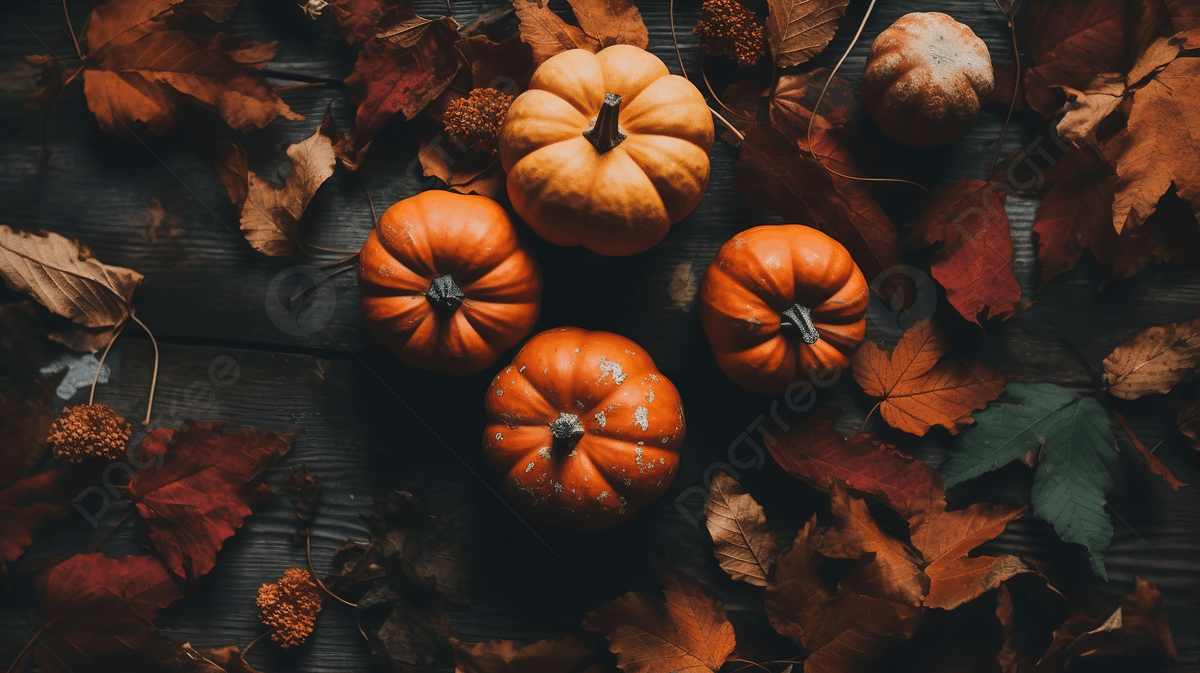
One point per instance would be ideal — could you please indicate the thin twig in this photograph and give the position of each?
(323, 249)
(817, 106)
(308, 555)
(717, 98)
(1012, 104)
(310, 288)
(21, 654)
(335, 262)
(371, 202)
(868, 416)
(100, 366)
(674, 40)
(154, 376)
(727, 124)
(254, 642)
(751, 663)
(71, 30)
(112, 530)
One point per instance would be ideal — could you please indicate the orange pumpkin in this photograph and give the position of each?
(924, 79)
(781, 303)
(446, 284)
(582, 429)
(606, 150)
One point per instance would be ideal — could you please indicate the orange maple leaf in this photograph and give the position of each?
(919, 389)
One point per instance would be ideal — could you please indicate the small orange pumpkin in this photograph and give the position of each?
(606, 150)
(781, 303)
(924, 79)
(582, 429)
(446, 284)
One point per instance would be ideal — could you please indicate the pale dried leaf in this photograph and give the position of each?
(1153, 360)
(798, 30)
(1084, 110)
(547, 33)
(742, 541)
(64, 275)
(271, 215)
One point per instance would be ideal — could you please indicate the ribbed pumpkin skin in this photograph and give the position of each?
(924, 79)
(760, 273)
(472, 239)
(618, 202)
(632, 420)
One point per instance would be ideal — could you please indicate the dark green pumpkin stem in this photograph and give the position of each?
(567, 430)
(605, 133)
(444, 294)
(798, 320)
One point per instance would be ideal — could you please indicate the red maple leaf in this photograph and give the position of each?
(203, 490)
(975, 264)
(1072, 42)
(99, 611)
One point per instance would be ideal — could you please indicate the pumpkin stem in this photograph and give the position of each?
(799, 318)
(567, 430)
(444, 294)
(604, 132)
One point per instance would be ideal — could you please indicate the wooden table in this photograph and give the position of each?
(154, 205)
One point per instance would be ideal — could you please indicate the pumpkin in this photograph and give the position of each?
(582, 429)
(782, 303)
(924, 79)
(606, 150)
(446, 284)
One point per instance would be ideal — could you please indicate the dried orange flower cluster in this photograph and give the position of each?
(475, 120)
(291, 606)
(729, 29)
(88, 431)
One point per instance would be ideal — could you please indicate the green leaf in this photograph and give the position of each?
(1071, 481)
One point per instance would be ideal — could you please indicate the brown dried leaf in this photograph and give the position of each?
(611, 22)
(1071, 41)
(743, 542)
(686, 632)
(1136, 630)
(1159, 146)
(572, 654)
(1156, 465)
(1188, 418)
(1153, 360)
(547, 33)
(271, 215)
(919, 389)
(891, 571)
(464, 170)
(602, 23)
(798, 30)
(1084, 110)
(1185, 16)
(64, 275)
(26, 413)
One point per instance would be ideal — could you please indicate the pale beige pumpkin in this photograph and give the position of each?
(606, 150)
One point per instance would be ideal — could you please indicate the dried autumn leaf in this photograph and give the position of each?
(743, 542)
(798, 30)
(1159, 147)
(465, 172)
(1136, 630)
(28, 505)
(143, 65)
(26, 413)
(572, 654)
(893, 571)
(1153, 360)
(944, 539)
(611, 22)
(602, 23)
(99, 609)
(1074, 474)
(818, 455)
(1084, 110)
(1185, 16)
(975, 262)
(846, 631)
(270, 216)
(305, 489)
(1156, 465)
(1188, 418)
(546, 33)
(64, 275)
(1072, 42)
(203, 489)
(686, 632)
(919, 388)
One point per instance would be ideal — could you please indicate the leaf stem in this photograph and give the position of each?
(370, 202)
(264, 634)
(310, 288)
(674, 40)
(96, 378)
(750, 663)
(71, 30)
(113, 530)
(154, 376)
(1012, 104)
(323, 249)
(308, 555)
(727, 124)
(21, 654)
(868, 416)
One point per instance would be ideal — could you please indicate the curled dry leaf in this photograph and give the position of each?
(1084, 110)
(602, 23)
(1136, 630)
(687, 631)
(99, 609)
(798, 30)
(572, 654)
(975, 262)
(844, 630)
(1156, 465)
(143, 65)
(919, 388)
(1153, 360)
(64, 275)
(743, 542)
(892, 571)
(198, 486)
